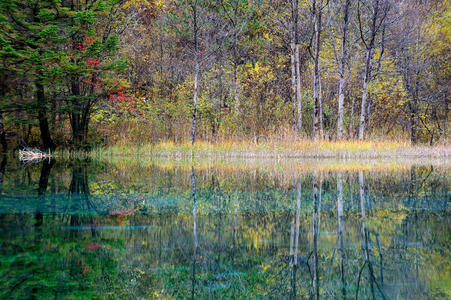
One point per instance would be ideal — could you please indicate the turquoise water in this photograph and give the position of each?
(165, 230)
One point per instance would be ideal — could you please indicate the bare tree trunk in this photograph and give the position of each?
(366, 80)
(351, 120)
(236, 87)
(196, 71)
(374, 28)
(296, 65)
(317, 14)
(445, 119)
(293, 73)
(342, 84)
(320, 98)
(413, 107)
(298, 89)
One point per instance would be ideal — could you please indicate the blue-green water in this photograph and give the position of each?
(101, 230)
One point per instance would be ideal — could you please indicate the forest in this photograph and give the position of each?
(81, 74)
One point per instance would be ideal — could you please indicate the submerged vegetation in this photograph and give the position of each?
(165, 229)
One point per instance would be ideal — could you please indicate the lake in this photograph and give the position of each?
(239, 229)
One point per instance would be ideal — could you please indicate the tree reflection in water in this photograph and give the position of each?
(134, 231)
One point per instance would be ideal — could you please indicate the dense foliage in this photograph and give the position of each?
(81, 73)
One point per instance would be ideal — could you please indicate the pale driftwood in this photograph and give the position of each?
(29, 154)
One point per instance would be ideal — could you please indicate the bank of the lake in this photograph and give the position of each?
(277, 149)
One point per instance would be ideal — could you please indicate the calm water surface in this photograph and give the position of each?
(162, 229)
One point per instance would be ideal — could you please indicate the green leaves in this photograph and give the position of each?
(50, 33)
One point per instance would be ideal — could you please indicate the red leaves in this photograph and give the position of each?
(87, 41)
(79, 46)
(93, 62)
(82, 46)
(121, 212)
(94, 84)
(126, 102)
(86, 268)
(120, 96)
(92, 247)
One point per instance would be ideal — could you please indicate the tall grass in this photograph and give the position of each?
(277, 148)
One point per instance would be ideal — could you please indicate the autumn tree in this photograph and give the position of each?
(318, 7)
(371, 16)
(343, 7)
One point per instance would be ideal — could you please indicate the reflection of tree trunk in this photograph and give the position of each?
(412, 185)
(79, 189)
(294, 240)
(340, 231)
(235, 230)
(39, 220)
(365, 234)
(193, 190)
(79, 184)
(44, 178)
(43, 183)
(317, 184)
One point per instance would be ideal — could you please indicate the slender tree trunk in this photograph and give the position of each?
(2, 121)
(366, 80)
(236, 87)
(317, 14)
(445, 119)
(368, 113)
(293, 73)
(320, 93)
(341, 231)
(351, 120)
(196, 72)
(298, 90)
(294, 239)
(368, 63)
(3, 134)
(413, 107)
(42, 117)
(362, 206)
(298, 210)
(342, 84)
(317, 184)
(236, 82)
(195, 245)
(296, 64)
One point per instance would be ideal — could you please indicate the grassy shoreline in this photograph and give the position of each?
(278, 150)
